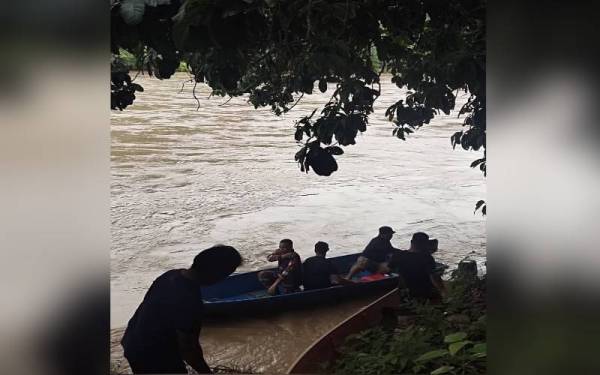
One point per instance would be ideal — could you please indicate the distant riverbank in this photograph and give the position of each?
(130, 60)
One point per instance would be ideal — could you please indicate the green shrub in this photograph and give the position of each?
(441, 339)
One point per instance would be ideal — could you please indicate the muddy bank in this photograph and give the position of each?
(266, 344)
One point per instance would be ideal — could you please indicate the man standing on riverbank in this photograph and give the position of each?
(164, 331)
(417, 268)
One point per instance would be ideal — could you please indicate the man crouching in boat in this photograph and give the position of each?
(288, 277)
(164, 331)
(375, 255)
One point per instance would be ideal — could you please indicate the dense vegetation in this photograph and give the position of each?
(276, 51)
(438, 339)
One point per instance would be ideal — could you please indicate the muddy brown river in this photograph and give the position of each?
(185, 179)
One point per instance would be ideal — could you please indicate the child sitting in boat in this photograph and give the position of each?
(288, 277)
(319, 272)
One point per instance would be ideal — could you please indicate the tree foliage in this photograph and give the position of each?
(276, 51)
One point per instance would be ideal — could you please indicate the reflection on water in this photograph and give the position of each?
(183, 180)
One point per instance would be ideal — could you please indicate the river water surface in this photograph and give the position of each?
(185, 179)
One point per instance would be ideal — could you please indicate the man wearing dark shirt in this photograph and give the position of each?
(416, 266)
(165, 329)
(319, 272)
(374, 257)
(288, 277)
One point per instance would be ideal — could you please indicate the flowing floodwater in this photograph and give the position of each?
(185, 179)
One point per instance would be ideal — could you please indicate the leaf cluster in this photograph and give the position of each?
(275, 51)
(434, 342)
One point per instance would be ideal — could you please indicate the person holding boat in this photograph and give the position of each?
(288, 277)
(375, 255)
(162, 336)
(319, 272)
(417, 268)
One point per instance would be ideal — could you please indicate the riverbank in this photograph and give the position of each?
(449, 338)
(131, 61)
(259, 344)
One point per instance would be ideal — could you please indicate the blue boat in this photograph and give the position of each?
(242, 294)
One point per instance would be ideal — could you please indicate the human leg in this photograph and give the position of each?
(152, 364)
(383, 267)
(267, 278)
(361, 264)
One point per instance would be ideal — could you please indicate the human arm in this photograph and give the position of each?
(291, 266)
(191, 352)
(338, 280)
(438, 283)
(278, 255)
(335, 278)
(273, 257)
(395, 261)
(435, 277)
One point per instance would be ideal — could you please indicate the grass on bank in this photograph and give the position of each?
(435, 339)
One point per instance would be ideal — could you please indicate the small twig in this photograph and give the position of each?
(228, 100)
(292, 107)
(346, 14)
(196, 97)
(260, 58)
(308, 26)
(183, 85)
(139, 64)
(335, 92)
(382, 68)
(137, 73)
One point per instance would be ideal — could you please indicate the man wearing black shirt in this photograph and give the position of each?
(374, 257)
(319, 272)
(417, 268)
(164, 331)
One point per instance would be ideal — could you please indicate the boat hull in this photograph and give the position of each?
(326, 348)
(243, 295)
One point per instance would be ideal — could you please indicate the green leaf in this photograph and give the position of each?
(458, 336)
(403, 363)
(479, 348)
(155, 3)
(334, 150)
(477, 206)
(432, 355)
(457, 346)
(477, 162)
(322, 85)
(132, 11)
(301, 155)
(137, 87)
(442, 370)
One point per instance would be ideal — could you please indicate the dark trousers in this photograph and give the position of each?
(154, 364)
